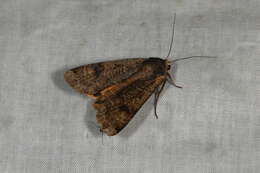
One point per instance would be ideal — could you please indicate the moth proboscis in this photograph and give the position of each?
(121, 87)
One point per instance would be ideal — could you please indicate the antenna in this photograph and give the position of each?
(171, 45)
(179, 59)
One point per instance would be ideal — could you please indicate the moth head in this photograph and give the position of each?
(168, 64)
(168, 67)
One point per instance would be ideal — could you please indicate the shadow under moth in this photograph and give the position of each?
(121, 87)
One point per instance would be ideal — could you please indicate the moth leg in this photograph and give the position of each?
(101, 131)
(171, 81)
(157, 94)
(155, 102)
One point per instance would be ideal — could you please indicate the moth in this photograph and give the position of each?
(121, 87)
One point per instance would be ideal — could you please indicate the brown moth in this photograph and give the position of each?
(121, 87)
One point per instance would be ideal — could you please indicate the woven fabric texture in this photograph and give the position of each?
(212, 125)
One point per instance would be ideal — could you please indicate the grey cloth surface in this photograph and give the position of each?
(212, 125)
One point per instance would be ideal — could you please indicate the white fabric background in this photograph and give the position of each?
(212, 125)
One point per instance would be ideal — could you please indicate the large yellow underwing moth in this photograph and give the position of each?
(121, 87)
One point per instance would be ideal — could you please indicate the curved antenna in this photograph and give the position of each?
(171, 45)
(189, 57)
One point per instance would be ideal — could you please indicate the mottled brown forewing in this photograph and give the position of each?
(91, 79)
(116, 111)
(120, 87)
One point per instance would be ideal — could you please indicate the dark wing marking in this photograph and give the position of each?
(91, 79)
(115, 112)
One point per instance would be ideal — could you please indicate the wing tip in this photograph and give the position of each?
(68, 75)
(110, 131)
(71, 78)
